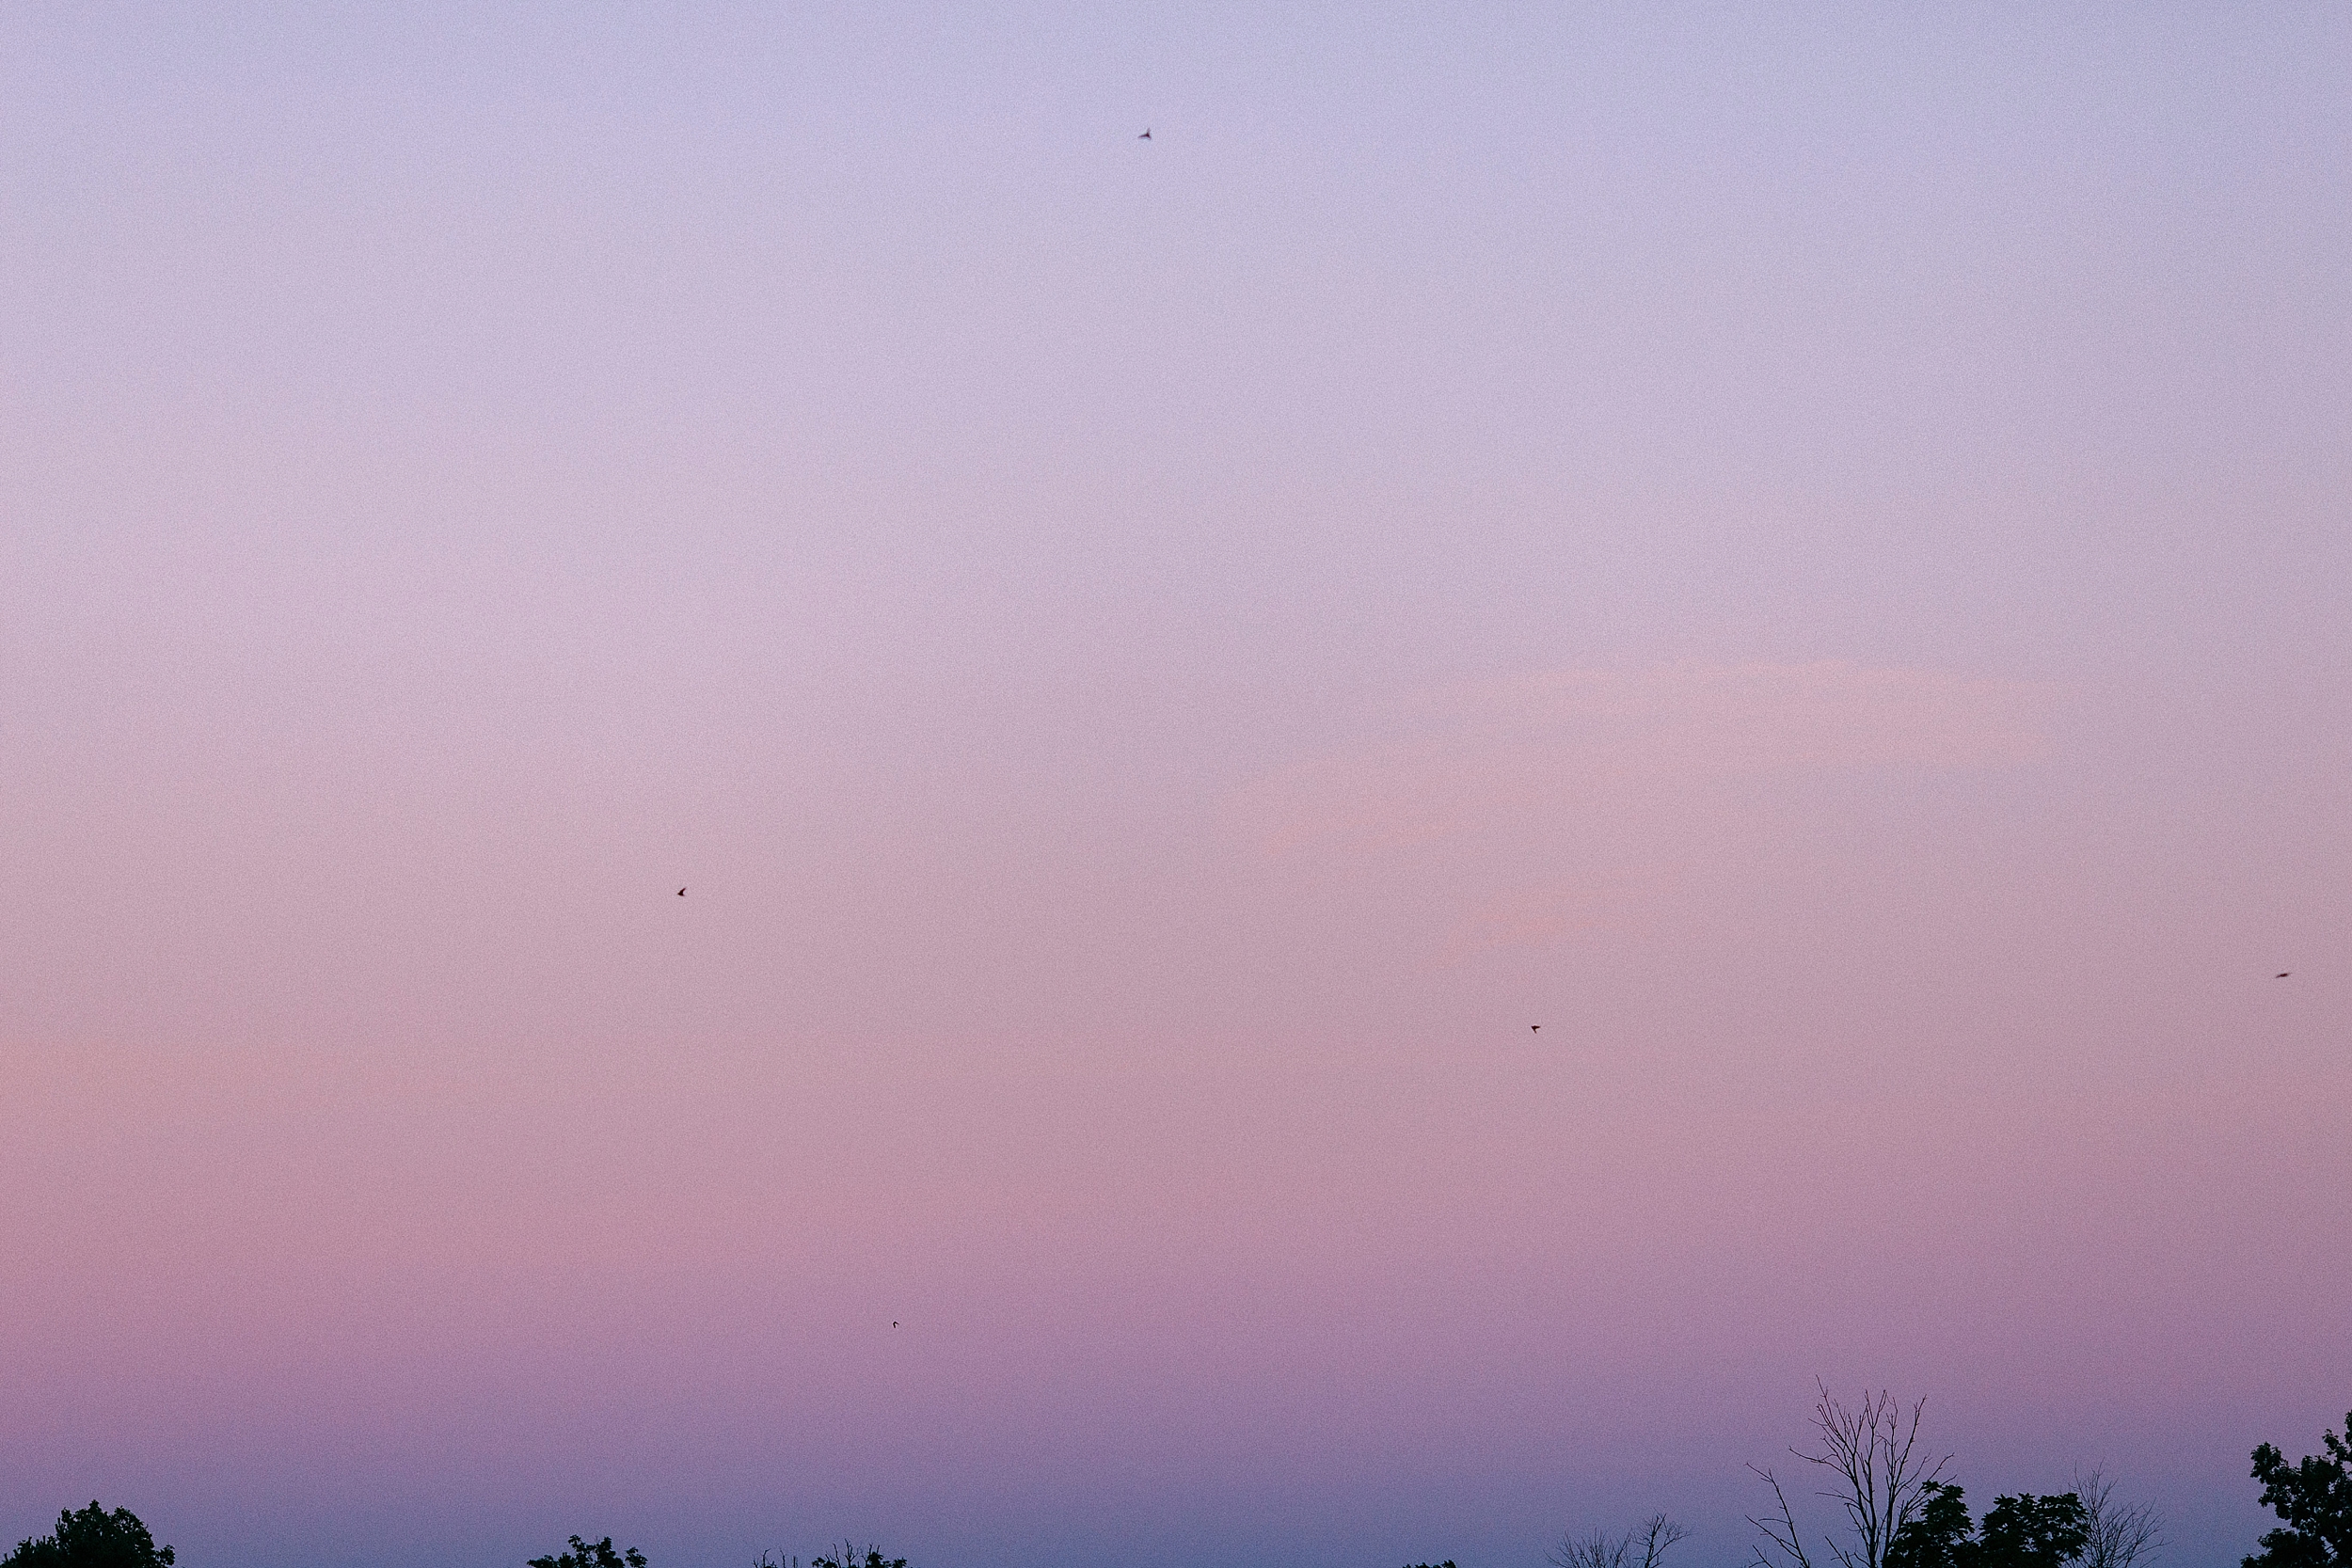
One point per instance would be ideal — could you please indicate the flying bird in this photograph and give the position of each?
(1147, 134)
(1535, 1028)
(2282, 975)
(894, 1325)
(681, 893)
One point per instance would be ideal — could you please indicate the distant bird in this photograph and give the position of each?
(681, 893)
(894, 1325)
(1535, 1028)
(1147, 134)
(2282, 975)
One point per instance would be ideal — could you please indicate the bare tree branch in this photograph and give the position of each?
(1875, 1474)
(2121, 1535)
(1601, 1549)
(1659, 1533)
(1780, 1529)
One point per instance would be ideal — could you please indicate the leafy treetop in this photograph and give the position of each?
(1940, 1535)
(587, 1555)
(2313, 1502)
(91, 1538)
(2024, 1531)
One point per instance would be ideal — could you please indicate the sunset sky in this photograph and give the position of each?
(1804, 548)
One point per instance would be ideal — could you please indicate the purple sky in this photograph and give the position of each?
(1804, 548)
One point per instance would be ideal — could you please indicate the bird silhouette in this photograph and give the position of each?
(681, 893)
(1146, 136)
(1535, 1028)
(2282, 975)
(894, 1325)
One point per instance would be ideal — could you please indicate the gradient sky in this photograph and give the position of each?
(1804, 548)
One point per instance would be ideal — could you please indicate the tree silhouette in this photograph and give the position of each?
(1642, 1548)
(1940, 1535)
(1875, 1472)
(845, 1555)
(2118, 1535)
(91, 1538)
(591, 1555)
(2313, 1502)
(2026, 1531)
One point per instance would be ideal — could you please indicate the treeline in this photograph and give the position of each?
(1902, 1509)
(1899, 1509)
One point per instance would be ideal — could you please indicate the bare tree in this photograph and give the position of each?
(2120, 1534)
(1870, 1457)
(1645, 1548)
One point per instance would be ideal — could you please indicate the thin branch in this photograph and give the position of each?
(1869, 1452)
(1781, 1530)
(2118, 1534)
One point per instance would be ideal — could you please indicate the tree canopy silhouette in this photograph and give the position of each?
(91, 1538)
(2313, 1502)
(2024, 1531)
(587, 1555)
(1939, 1535)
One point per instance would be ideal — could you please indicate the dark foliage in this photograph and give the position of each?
(91, 1538)
(585, 1554)
(1940, 1535)
(2024, 1531)
(2313, 1502)
(2032, 1532)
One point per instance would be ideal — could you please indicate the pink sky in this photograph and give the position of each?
(1805, 555)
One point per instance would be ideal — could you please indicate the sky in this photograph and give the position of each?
(1800, 549)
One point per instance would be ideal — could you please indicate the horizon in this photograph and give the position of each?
(1392, 807)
